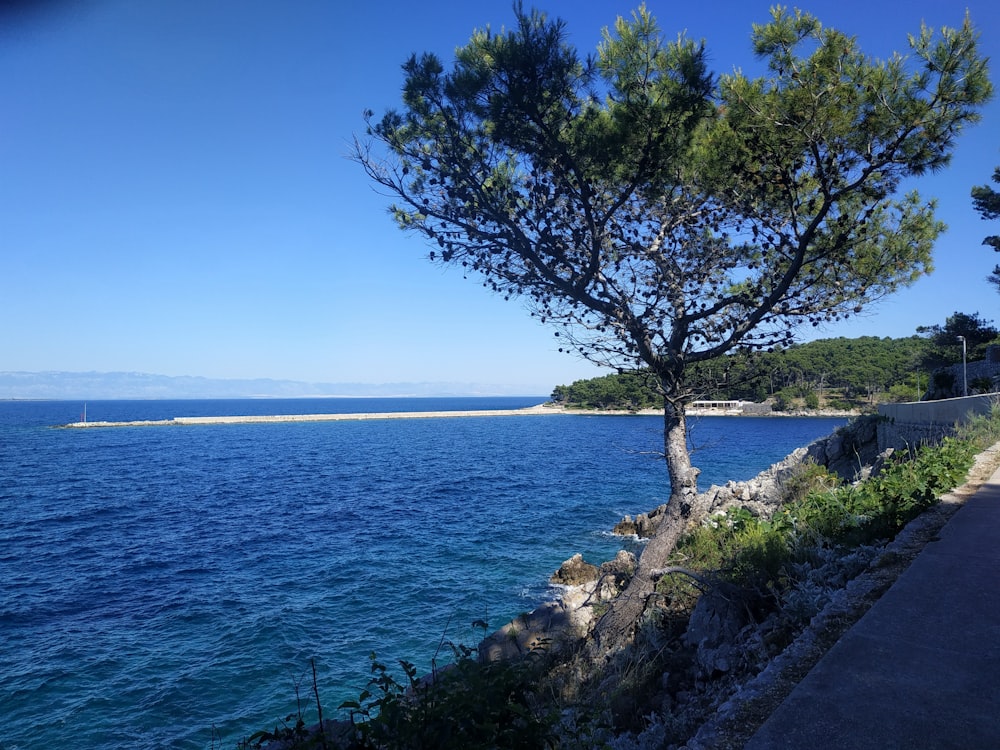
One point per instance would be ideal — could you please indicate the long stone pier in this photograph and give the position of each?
(539, 410)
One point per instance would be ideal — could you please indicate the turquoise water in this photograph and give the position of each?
(167, 586)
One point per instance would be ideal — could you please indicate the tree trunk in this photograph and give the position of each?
(618, 625)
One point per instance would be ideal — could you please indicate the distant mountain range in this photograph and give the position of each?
(139, 385)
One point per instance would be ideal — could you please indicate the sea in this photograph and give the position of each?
(172, 586)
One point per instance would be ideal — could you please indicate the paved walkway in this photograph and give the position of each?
(921, 669)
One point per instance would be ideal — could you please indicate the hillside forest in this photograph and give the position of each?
(835, 373)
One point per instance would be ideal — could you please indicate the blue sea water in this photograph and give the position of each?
(166, 586)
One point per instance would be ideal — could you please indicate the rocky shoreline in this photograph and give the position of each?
(852, 454)
(739, 716)
(730, 702)
(740, 703)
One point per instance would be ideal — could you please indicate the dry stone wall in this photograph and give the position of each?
(921, 422)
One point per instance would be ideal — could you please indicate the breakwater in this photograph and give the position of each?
(355, 416)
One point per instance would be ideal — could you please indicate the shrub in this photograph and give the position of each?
(881, 506)
(466, 706)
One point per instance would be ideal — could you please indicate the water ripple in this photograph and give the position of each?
(157, 582)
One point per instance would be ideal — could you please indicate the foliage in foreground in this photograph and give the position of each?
(822, 511)
(466, 706)
(782, 570)
(752, 551)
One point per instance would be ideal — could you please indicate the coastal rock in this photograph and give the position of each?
(876, 465)
(621, 567)
(760, 495)
(615, 575)
(642, 526)
(575, 572)
(851, 452)
(627, 526)
(550, 626)
(567, 620)
(716, 629)
(536, 630)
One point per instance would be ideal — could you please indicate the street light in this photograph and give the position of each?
(965, 378)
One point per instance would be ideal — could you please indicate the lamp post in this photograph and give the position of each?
(965, 378)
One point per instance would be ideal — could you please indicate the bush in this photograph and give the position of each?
(981, 385)
(881, 506)
(466, 706)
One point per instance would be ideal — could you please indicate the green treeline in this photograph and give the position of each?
(834, 373)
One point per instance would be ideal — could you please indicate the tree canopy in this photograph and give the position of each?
(851, 370)
(986, 201)
(658, 219)
(946, 339)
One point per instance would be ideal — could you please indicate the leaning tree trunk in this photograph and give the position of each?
(618, 625)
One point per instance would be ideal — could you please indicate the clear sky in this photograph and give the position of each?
(176, 197)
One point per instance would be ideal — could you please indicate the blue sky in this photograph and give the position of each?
(176, 198)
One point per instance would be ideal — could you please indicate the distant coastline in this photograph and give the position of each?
(696, 412)
(116, 386)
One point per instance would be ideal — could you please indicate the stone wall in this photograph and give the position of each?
(751, 409)
(920, 422)
(986, 369)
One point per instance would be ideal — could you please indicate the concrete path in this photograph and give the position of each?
(921, 669)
